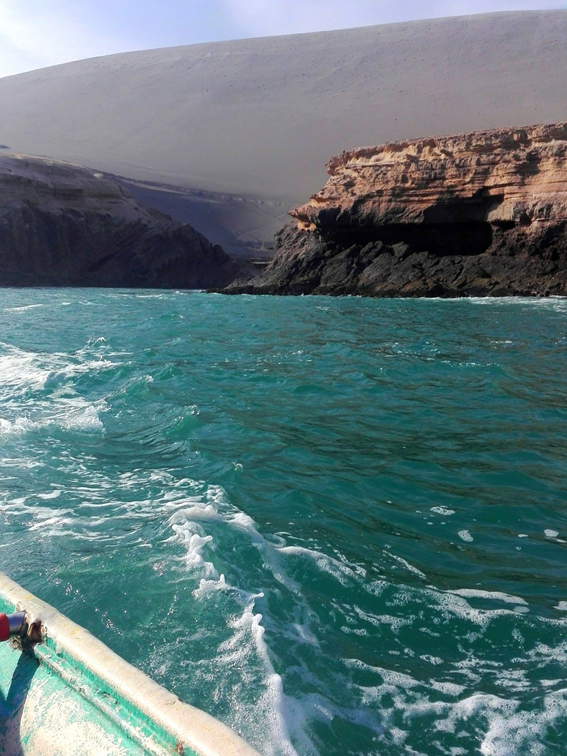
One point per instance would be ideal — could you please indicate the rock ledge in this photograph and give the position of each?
(475, 214)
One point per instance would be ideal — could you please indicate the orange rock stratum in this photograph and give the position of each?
(483, 213)
(500, 176)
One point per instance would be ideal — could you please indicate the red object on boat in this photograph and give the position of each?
(4, 627)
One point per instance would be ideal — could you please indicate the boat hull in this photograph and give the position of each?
(71, 694)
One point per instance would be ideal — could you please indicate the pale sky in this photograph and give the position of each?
(39, 33)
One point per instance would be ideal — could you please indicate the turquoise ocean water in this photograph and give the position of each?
(338, 525)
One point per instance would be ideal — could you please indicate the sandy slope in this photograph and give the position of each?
(259, 118)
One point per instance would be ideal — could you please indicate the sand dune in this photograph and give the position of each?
(250, 124)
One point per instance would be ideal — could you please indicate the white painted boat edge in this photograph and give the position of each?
(189, 726)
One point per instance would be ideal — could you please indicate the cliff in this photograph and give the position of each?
(64, 225)
(483, 213)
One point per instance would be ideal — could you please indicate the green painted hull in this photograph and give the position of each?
(73, 695)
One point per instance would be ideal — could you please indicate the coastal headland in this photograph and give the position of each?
(65, 225)
(220, 140)
(477, 214)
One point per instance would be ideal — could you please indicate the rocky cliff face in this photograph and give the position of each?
(483, 213)
(63, 225)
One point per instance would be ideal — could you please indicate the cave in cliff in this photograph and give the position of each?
(483, 213)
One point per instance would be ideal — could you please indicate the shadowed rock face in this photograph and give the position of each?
(483, 213)
(63, 225)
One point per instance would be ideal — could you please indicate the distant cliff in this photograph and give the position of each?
(64, 225)
(483, 213)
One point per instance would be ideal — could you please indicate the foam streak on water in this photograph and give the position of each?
(338, 525)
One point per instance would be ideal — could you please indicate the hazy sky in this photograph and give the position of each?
(39, 33)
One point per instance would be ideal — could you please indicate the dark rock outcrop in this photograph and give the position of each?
(480, 214)
(63, 225)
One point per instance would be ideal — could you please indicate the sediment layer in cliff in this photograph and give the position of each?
(64, 225)
(483, 213)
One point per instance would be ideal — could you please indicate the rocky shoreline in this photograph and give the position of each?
(478, 214)
(65, 225)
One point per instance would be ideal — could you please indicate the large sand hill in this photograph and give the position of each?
(230, 135)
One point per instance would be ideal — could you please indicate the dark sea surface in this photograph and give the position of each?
(338, 525)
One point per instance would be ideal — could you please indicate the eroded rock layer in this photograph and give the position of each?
(63, 225)
(483, 213)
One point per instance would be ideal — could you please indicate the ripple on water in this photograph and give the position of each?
(336, 524)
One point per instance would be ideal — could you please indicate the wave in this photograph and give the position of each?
(318, 523)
